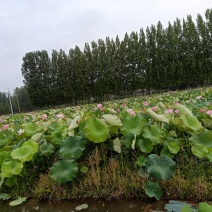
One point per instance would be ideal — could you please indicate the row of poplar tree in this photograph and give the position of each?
(155, 59)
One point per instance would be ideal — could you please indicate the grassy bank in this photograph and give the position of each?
(146, 147)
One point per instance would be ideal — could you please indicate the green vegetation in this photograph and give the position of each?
(158, 146)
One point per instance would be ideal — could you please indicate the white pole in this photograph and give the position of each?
(11, 107)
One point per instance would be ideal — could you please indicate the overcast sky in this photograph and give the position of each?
(30, 25)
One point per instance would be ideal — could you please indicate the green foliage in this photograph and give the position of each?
(160, 167)
(72, 147)
(153, 189)
(96, 130)
(64, 170)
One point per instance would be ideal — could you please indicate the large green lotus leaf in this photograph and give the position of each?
(46, 149)
(11, 167)
(24, 153)
(200, 151)
(145, 145)
(160, 167)
(154, 133)
(36, 137)
(18, 201)
(112, 120)
(204, 207)
(54, 126)
(32, 128)
(57, 136)
(72, 147)
(4, 155)
(32, 144)
(64, 170)
(133, 125)
(6, 137)
(191, 123)
(5, 196)
(153, 189)
(203, 138)
(156, 117)
(96, 130)
(117, 145)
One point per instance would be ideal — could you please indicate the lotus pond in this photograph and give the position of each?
(149, 147)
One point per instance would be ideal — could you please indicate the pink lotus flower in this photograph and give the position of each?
(176, 111)
(60, 116)
(209, 112)
(99, 106)
(169, 111)
(145, 103)
(131, 111)
(5, 126)
(154, 108)
(176, 103)
(118, 110)
(202, 110)
(44, 116)
(102, 109)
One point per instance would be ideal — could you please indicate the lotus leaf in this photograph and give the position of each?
(203, 207)
(173, 147)
(183, 109)
(128, 140)
(156, 117)
(133, 125)
(18, 201)
(74, 123)
(96, 130)
(72, 147)
(207, 123)
(154, 133)
(203, 138)
(57, 136)
(64, 170)
(11, 181)
(24, 153)
(4, 155)
(5, 196)
(141, 161)
(200, 151)
(112, 120)
(145, 145)
(10, 168)
(160, 167)
(81, 207)
(153, 189)
(32, 128)
(165, 151)
(6, 137)
(46, 149)
(174, 205)
(117, 145)
(190, 123)
(32, 144)
(36, 137)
